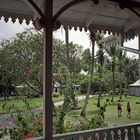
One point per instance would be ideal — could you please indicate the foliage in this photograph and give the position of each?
(24, 90)
(113, 51)
(95, 83)
(86, 60)
(126, 92)
(84, 83)
(56, 94)
(130, 70)
(28, 124)
(22, 59)
(21, 62)
(97, 121)
(66, 56)
(63, 110)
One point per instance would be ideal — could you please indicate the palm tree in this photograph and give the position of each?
(133, 70)
(121, 57)
(86, 60)
(92, 39)
(112, 52)
(130, 70)
(126, 70)
(100, 57)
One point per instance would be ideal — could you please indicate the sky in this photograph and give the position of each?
(81, 38)
(9, 30)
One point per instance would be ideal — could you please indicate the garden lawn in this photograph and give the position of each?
(18, 102)
(111, 116)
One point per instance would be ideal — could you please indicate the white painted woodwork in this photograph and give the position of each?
(106, 16)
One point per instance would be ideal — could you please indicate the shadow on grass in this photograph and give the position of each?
(74, 113)
(77, 114)
(92, 112)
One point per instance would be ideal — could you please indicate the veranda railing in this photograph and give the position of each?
(126, 132)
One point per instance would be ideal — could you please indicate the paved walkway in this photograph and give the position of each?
(80, 98)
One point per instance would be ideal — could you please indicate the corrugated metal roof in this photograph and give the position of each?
(137, 83)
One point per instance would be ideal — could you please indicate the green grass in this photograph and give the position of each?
(20, 104)
(58, 99)
(111, 116)
(111, 113)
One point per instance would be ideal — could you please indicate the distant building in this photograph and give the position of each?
(135, 88)
(57, 87)
(83, 72)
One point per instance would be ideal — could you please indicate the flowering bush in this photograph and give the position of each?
(28, 124)
(96, 122)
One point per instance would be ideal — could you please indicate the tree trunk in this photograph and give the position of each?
(69, 65)
(22, 79)
(99, 97)
(100, 90)
(126, 81)
(120, 91)
(113, 83)
(73, 94)
(83, 112)
(65, 108)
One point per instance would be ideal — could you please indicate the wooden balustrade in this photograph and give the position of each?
(126, 132)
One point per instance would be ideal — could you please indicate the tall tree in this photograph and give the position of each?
(22, 59)
(130, 70)
(121, 56)
(112, 52)
(100, 58)
(86, 60)
(68, 55)
(91, 70)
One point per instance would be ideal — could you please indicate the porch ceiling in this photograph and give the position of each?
(105, 16)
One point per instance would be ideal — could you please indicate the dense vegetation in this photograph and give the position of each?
(108, 71)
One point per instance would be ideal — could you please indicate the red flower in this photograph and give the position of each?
(31, 134)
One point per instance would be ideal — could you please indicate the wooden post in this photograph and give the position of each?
(67, 44)
(66, 35)
(139, 54)
(47, 63)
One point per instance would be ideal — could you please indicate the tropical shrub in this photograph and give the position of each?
(56, 94)
(24, 90)
(27, 124)
(95, 83)
(126, 92)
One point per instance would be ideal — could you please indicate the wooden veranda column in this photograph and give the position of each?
(139, 54)
(66, 35)
(47, 81)
(67, 42)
